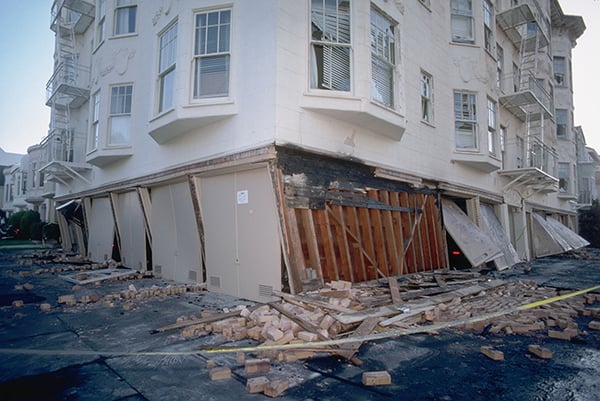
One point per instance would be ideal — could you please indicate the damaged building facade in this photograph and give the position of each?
(276, 145)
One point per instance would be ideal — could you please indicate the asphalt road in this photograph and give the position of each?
(95, 352)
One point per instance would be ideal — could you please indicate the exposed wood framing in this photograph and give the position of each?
(194, 184)
(65, 231)
(347, 224)
(146, 203)
(114, 206)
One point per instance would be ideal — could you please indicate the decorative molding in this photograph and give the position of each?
(164, 8)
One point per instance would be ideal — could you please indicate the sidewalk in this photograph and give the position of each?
(100, 350)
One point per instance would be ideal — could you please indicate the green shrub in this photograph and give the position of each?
(51, 231)
(29, 218)
(37, 230)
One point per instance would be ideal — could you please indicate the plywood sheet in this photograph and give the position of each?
(477, 246)
(494, 229)
(101, 230)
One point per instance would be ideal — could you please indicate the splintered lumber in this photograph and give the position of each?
(492, 353)
(365, 328)
(394, 290)
(539, 351)
(356, 317)
(376, 378)
(310, 301)
(208, 319)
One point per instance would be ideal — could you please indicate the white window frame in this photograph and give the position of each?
(166, 67)
(383, 58)
(125, 8)
(331, 46)
(465, 123)
(560, 77)
(499, 67)
(120, 114)
(426, 89)
(101, 24)
(562, 122)
(95, 129)
(212, 61)
(488, 25)
(462, 14)
(492, 127)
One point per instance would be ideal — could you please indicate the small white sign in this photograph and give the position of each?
(242, 197)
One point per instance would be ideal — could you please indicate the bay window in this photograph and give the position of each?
(383, 58)
(166, 68)
(120, 114)
(465, 120)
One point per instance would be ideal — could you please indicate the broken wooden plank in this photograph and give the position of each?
(365, 328)
(394, 290)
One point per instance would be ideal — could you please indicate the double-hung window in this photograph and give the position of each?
(101, 24)
(462, 21)
(564, 177)
(331, 51)
(465, 120)
(559, 65)
(166, 68)
(212, 54)
(383, 58)
(95, 133)
(120, 114)
(125, 14)
(499, 67)
(488, 25)
(562, 117)
(492, 134)
(426, 97)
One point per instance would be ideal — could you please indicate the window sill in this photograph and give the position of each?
(464, 44)
(102, 157)
(477, 160)
(181, 120)
(428, 123)
(123, 36)
(362, 112)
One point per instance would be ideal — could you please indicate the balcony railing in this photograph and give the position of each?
(72, 14)
(64, 146)
(515, 20)
(68, 86)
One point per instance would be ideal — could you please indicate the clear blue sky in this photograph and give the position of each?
(27, 45)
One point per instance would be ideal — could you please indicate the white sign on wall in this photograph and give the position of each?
(242, 197)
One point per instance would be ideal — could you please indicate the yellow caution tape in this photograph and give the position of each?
(311, 345)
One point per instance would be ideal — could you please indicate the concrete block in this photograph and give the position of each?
(376, 378)
(256, 384)
(220, 373)
(492, 353)
(276, 387)
(257, 366)
(540, 351)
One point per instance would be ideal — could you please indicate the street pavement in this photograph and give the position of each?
(109, 351)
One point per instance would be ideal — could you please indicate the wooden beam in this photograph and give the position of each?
(395, 201)
(367, 237)
(311, 240)
(342, 241)
(379, 238)
(310, 301)
(354, 226)
(391, 241)
(331, 273)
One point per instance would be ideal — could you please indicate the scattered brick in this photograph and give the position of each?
(276, 387)
(540, 351)
(45, 307)
(220, 373)
(594, 325)
(256, 384)
(17, 303)
(376, 378)
(257, 366)
(492, 353)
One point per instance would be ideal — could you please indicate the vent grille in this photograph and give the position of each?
(214, 281)
(157, 270)
(265, 291)
(192, 276)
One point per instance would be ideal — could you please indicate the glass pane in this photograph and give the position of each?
(213, 18)
(167, 84)
(383, 82)
(212, 37)
(211, 77)
(119, 130)
(224, 39)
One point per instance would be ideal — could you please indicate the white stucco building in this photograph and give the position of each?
(261, 145)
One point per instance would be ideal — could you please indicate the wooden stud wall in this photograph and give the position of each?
(360, 243)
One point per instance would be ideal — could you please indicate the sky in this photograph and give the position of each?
(27, 45)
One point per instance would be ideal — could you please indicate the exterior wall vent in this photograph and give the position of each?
(157, 270)
(214, 281)
(192, 275)
(265, 291)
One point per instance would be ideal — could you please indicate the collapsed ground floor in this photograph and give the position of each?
(282, 219)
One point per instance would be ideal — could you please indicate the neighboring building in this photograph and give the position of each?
(270, 144)
(7, 161)
(588, 169)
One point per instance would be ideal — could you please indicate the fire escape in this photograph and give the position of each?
(66, 92)
(531, 159)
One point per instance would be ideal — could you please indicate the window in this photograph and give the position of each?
(212, 54)
(382, 58)
(101, 26)
(426, 97)
(502, 138)
(462, 21)
(492, 136)
(34, 174)
(561, 123)
(125, 12)
(330, 45)
(94, 136)
(488, 25)
(120, 114)
(516, 72)
(166, 68)
(499, 67)
(559, 70)
(465, 120)
(564, 177)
